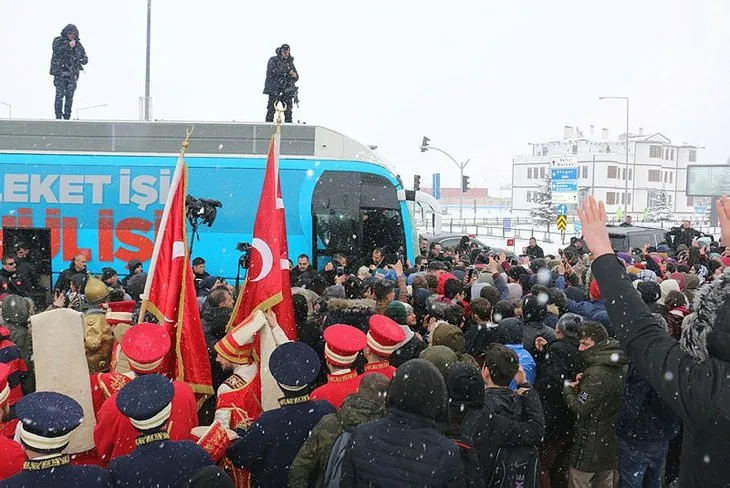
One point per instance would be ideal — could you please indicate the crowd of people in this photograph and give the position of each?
(589, 368)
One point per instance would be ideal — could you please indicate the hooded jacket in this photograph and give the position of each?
(16, 314)
(356, 313)
(596, 403)
(64, 278)
(311, 461)
(67, 59)
(404, 448)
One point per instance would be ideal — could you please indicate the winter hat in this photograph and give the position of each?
(133, 264)
(650, 291)
(647, 275)
(534, 308)
(509, 331)
(459, 274)
(485, 278)
(335, 291)
(575, 293)
(515, 292)
(135, 285)
(440, 356)
(210, 477)
(16, 310)
(465, 384)
(662, 248)
(667, 286)
(476, 289)
(391, 275)
(107, 273)
(626, 257)
(692, 282)
(569, 324)
(593, 291)
(679, 277)
(450, 336)
(397, 312)
(418, 387)
(706, 332)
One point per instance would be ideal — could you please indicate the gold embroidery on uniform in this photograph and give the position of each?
(33, 465)
(293, 401)
(235, 382)
(148, 438)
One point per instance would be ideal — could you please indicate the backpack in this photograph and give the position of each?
(472, 467)
(333, 474)
(515, 467)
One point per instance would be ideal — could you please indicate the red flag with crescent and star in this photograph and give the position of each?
(267, 281)
(170, 295)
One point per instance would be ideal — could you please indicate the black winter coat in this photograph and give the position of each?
(401, 450)
(699, 392)
(533, 330)
(644, 416)
(535, 252)
(67, 59)
(559, 362)
(277, 74)
(63, 282)
(350, 312)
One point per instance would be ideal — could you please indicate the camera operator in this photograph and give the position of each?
(281, 76)
(66, 63)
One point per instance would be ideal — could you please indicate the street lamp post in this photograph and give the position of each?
(10, 109)
(89, 108)
(626, 174)
(461, 167)
(147, 111)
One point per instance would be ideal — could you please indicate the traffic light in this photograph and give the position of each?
(424, 144)
(416, 182)
(464, 184)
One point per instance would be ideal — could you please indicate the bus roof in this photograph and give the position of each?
(163, 137)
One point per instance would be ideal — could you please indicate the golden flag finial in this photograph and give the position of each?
(186, 142)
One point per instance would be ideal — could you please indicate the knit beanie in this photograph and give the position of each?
(396, 311)
(450, 336)
(440, 356)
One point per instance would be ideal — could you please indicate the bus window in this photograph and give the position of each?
(353, 213)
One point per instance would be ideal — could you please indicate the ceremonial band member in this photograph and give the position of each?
(12, 455)
(342, 345)
(383, 338)
(270, 445)
(47, 420)
(99, 339)
(156, 460)
(145, 345)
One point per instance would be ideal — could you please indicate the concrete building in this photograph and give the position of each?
(655, 164)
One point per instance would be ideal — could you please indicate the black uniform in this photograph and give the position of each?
(58, 472)
(279, 85)
(66, 64)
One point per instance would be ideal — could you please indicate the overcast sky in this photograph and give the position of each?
(480, 78)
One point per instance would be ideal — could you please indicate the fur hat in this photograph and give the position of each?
(706, 332)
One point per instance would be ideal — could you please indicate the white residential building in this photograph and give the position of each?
(655, 164)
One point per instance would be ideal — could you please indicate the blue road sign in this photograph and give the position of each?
(507, 225)
(565, 186)
(562, 209)
(437, 186)
(578, 226)
(564, 174)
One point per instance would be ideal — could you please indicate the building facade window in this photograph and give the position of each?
(575, 148)
(542, 172)
(612, 172)
(655, 176)
(671, 155)
(631, 174)
(693, 155)
(610, 198)
(671, 177)
(690, 201)
(584, 172)
(655, 151)
(529, 173)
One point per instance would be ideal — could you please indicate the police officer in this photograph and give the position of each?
(156, 460)
(15, 283)
(270, 445)
(47, 420)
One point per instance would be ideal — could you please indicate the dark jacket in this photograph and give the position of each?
(404, 448)
(15, 283)
(510, 420)
(350, 312)
(596, 403)
(680, 235)
(699, 392)
(401, 450)
(409, 350)
(67, 476)
(311, 461)
(63, 282)
(215, 320)
(67, 60)
(277, 74)
(269, 446)
(644, 416)
(302, 278)
(559, 362)
(535, 252)
(533, 330)
(16, 314)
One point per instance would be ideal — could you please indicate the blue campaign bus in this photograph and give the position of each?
(98, 188)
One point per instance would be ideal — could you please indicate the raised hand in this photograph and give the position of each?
(723, 216)
(592, 215)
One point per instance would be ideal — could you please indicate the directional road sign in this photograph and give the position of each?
(562, 223)
(562, 209)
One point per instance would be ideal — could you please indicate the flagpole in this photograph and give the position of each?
(161, 231)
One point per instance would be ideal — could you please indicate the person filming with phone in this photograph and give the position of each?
(67, 62)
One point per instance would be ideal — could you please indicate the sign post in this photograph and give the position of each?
(564, 181)
(436, 186)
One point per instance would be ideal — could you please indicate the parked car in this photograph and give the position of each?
(627, 238)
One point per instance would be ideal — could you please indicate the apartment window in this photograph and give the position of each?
(542, 172)
(575, 148)
(631, 174)
(584, 171)
(544, 150)
(529, 173)
(666, 177)
(693, 155)
(655, 175)
(690, 201)
(671, 177)
(655, 151)
(610, 198)
(612, 172)
(671, 155)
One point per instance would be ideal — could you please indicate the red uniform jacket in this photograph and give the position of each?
(12, 457)
(115, 435)
(242, 399)
(382, 367)
(104, 385)
(337, 388)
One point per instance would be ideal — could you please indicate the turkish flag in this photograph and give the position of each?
(170, 293)
(267, 279)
